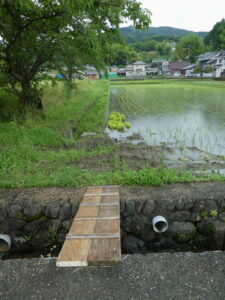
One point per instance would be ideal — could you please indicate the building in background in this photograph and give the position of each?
(176, 68)
(91, 72)
(212, 63)
(137, 69)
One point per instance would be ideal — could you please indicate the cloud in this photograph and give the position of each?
(197, 15)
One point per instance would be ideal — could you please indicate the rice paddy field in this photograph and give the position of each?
(186, 117)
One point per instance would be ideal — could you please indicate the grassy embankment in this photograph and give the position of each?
(40, 151)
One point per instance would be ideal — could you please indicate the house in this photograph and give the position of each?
(114, 69)
(121, 72)
(165, 68)
(213, 62)
(158, 67)
(151, 71)
(157, 63)
(91, 75)
(129, 71)
(190, 70)
(206, 59)
(176, 68)
(219, 65)
(137, 69)
(91, 72)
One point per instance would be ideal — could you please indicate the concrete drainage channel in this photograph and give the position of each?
(152, 220)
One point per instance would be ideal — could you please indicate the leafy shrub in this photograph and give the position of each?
(9, 107)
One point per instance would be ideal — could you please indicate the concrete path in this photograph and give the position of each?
(180, 276)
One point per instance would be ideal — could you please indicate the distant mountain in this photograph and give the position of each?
(132, 35)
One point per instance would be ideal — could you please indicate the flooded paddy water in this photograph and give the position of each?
(186, 120)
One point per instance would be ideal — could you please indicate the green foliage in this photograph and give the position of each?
(215, 38)
(204, 214)
(53, 234)
(33, 34)
(149, 45)
(189, 47)
(119, 54)
(117, 116)
(213, 213)
(9, 106)
(198, 70)
(117, 121)
(163, 48)
(208, 69)
(38, 153)
(22, 146)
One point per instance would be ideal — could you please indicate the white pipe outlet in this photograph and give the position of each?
(5, 243)
(159, 224)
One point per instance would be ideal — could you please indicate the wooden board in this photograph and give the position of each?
(94, 237)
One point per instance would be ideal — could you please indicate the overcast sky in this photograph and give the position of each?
(196, 15)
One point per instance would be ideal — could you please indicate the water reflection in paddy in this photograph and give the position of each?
(177, 115)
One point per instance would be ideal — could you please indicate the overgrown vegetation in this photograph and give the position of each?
(47, 150)
(36, 146)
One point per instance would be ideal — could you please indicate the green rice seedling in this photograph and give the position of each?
(117, 122)
(117, 116)
(127, 125)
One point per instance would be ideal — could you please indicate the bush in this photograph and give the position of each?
(9, 107)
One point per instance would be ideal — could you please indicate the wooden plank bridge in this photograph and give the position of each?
(94, 237)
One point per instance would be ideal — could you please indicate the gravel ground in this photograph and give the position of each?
(154, 276)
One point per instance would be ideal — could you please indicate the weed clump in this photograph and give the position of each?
(117, 122)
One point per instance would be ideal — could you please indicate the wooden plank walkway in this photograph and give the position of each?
(94, 237)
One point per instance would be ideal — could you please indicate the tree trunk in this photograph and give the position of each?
(30, 96)
(70, 78)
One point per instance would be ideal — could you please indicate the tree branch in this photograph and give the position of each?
(31, 21)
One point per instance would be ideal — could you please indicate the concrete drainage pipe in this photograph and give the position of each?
(5, 243)
(159, 224)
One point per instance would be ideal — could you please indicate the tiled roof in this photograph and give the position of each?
(189, 67)
(178, 65)
(208, 55)
(91, 73)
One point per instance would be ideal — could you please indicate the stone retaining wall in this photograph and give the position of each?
(193, 225)
(37, 219)
(36, 227)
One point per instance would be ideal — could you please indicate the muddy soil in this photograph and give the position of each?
(127, 155)
(58, 195)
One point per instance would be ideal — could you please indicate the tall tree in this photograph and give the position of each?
(74, 51)
(120, 54)
(163, 48)
(215, 38)
(189, 47)
(31, 30)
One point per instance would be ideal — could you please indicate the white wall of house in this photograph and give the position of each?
(140, 70)
(129, 73)
(136, 70)
(219, 67)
